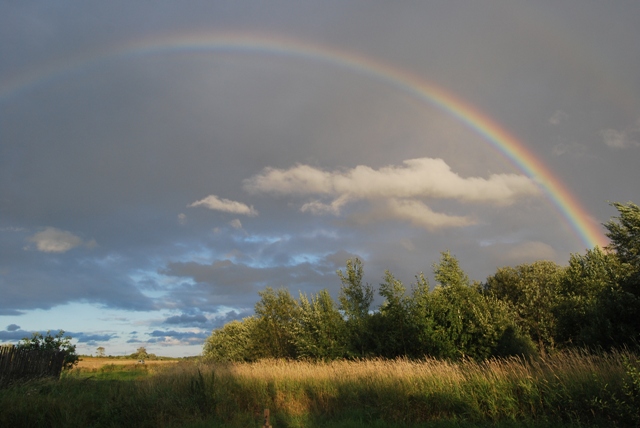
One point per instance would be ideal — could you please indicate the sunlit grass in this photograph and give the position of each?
(568, 389)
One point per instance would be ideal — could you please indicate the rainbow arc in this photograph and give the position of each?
(588, 230)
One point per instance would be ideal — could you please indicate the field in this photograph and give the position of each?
(570, 389)
(90, 363)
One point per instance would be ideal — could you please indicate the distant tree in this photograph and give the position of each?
(141, 353)
(100, 351)
(57, 342)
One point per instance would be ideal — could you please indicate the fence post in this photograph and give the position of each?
(267, 423)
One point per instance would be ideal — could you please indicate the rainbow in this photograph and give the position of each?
(586, 228)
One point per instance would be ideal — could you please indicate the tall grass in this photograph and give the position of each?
(572, 388)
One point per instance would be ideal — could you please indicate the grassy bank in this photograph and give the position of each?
(571, 389)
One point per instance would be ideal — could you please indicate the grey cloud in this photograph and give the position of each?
(106, 142)
(10, 312)
(171, 337)
(91, 337)
(53, 284)
(178, 334)
(558, 117)
(186, 319)
(229, 283)
(13, 335)
(232, 278)
(620, 139)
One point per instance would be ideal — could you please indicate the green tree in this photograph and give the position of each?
(321, 331)
(393, 328)
(277, 312)
(100, 351)
(422, 321)
(618, 306)
(532, 291)
(48, 343)
(141, 353)
(355, 297)
(466, 322)
(591, 299)
(355, 303)
(231, 342)
(624, 232)
(447, 271)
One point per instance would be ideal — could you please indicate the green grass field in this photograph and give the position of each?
(570, 389)
(112, 372)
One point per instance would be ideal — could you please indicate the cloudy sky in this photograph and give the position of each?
(161, 162)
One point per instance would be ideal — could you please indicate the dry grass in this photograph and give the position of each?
(91, 363)
(572, 388)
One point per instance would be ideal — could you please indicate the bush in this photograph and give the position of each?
(48, 343)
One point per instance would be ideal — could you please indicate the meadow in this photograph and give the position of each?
(572, 389)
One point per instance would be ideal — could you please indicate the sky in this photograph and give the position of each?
(163, 162)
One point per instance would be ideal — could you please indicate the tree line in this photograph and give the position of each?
(531, 309)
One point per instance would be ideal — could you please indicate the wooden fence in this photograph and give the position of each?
(16, 363)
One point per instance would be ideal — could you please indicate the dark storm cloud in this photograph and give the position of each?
(13, 327)
(44, 281)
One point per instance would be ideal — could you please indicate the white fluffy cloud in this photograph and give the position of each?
(53, 240)
(417, 178)
(398, 191)
(214, 203)
(421, 215)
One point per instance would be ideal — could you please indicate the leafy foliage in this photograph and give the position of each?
(540, 307)
(232, 342)
(320, 333)
(355, 302)
(273, 334)
(531, 290)
(48, 343)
